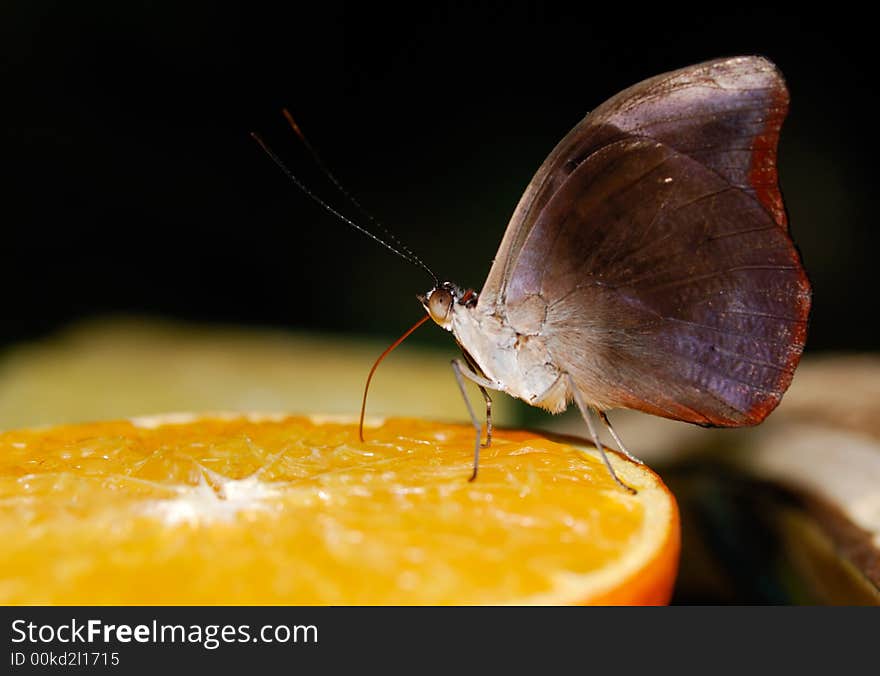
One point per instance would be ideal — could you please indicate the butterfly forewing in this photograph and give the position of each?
(725, 113)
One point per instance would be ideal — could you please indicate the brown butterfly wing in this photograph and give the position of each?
(655, 261)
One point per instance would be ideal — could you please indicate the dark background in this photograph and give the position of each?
(129, 182)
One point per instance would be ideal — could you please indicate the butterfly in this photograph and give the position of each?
(647, 266)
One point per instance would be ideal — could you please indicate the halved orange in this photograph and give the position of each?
(295, 510)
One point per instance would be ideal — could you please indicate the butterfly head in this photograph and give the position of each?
(440, 302)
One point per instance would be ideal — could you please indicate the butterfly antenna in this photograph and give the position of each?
(299, 184)
(345, 193)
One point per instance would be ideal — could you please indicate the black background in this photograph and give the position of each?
(129, 182)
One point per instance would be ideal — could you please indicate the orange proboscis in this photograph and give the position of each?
(376, 365)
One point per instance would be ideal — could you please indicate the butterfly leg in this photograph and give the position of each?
(462, 371)
(488, 400)
(585, 413)
(474, 369)
(617, 440)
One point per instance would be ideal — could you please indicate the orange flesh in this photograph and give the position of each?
(286, 510)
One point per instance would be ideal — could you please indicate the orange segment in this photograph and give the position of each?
(263, 510)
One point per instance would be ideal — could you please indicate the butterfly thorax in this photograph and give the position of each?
(516, 363)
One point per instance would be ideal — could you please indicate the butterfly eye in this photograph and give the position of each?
(439, 305)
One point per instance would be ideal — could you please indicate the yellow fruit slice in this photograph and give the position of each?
(295, 510)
